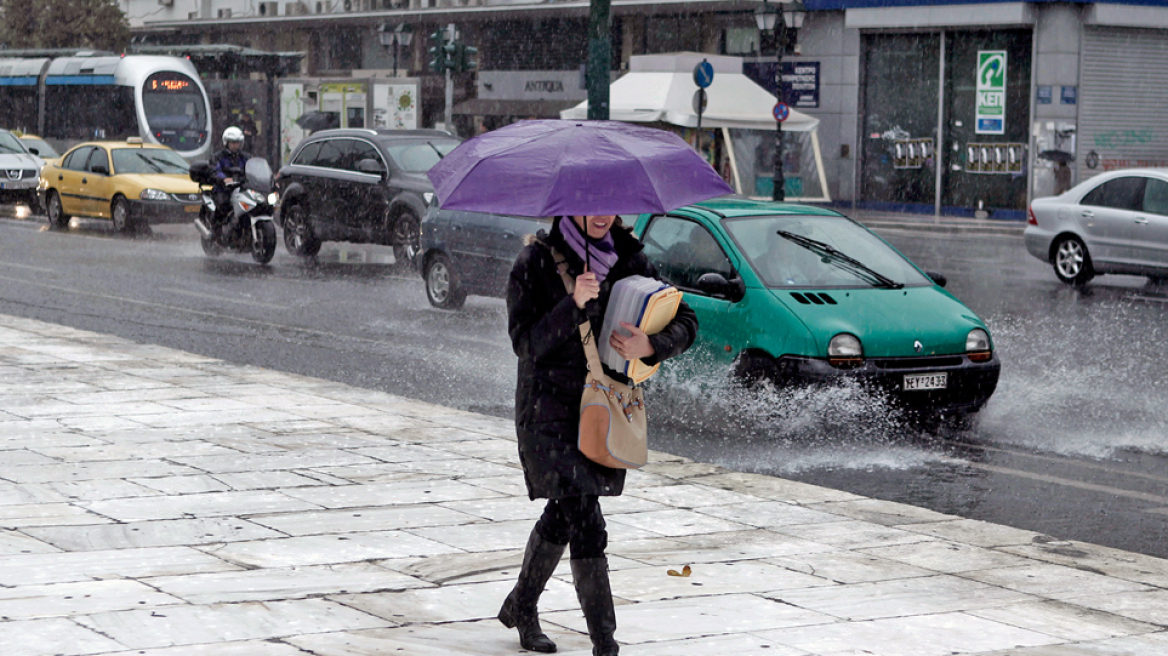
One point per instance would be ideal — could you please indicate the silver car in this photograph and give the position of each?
(20, 171)
(1116, 222)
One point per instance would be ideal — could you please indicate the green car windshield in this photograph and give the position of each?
(819, 252)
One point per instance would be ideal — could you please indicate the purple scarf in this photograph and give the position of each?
(601, 253)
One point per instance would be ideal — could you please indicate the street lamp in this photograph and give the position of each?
(767, 19)
(395, 36)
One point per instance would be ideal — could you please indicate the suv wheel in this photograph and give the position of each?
(407, 232)
(442, 287)
(299, 237)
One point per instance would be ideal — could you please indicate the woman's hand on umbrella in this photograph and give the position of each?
(634, 346)
(587, 288)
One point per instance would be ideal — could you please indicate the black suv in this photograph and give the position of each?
(364, 186)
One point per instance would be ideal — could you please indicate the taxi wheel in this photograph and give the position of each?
(120, 213)
(752, 369)
(58, 219)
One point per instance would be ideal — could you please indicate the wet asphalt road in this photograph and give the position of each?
(1073, 443)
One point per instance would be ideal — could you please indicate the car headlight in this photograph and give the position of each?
(272, 198)
(427, 196)
(153, 194)
(844, 351)
(977, 345)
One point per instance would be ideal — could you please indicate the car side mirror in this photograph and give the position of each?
(102, 169)
(715, 284)
(938, 278)
(371, 166)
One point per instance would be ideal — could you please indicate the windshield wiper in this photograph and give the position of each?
(150, 162)
(835, 257)
(431, 144)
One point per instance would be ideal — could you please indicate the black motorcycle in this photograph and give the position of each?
(247, 226)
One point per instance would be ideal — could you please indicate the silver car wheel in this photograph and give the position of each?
(1069, 258)
(438, 282)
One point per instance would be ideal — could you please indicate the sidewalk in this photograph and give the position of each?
(929, 223)
(158, 503)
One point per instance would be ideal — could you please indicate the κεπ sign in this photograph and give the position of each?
(991, 92)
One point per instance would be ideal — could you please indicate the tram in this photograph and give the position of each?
(67, 100)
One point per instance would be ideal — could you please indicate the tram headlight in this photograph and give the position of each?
(153, 194)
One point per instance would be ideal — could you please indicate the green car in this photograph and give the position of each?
(797, 294)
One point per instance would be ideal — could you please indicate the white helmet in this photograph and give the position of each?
(232, 134)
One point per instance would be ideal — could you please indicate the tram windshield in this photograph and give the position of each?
(175, 110)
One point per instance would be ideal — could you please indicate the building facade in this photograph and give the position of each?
(966, 108)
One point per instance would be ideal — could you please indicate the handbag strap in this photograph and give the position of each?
(590, 351)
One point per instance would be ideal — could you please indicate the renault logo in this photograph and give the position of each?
(917, 346)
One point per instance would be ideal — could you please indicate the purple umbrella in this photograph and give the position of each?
(573, 168)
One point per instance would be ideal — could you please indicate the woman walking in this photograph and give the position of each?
(543, 321)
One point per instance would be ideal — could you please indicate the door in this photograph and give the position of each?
(1150, 232)
(68, 182)
(367, 200)
(324, 182)
(1108, 216)
(97, 184)
(683, 250)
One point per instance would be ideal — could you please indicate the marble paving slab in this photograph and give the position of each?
(82, 598)
(64, 567)
(212, 504)
(53, 636)
(195, 625)
(329, 549)
(925, 635)
(675, 619)
(166, 533)
(356, 520)
(454, 603)
(915, 596)
(275, 584)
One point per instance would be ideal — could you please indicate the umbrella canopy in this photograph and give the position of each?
(314, 121)
(556, 168)
(1057, 156)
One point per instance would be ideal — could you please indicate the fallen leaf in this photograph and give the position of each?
(685, 571)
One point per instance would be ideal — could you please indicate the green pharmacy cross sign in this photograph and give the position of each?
(991, 92)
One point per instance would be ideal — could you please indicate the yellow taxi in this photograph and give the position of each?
(132, 183)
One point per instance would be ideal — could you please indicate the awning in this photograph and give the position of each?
(524, 108)
(734, 101)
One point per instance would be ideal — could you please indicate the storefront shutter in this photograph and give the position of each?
(1123, 94)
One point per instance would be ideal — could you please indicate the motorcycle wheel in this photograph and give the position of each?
(264, 247)
(210, 247)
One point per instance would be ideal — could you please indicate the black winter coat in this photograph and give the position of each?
(543, 321)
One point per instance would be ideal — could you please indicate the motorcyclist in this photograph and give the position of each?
(229, 164)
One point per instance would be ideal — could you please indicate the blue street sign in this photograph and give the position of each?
(704, 74)
(782, 112)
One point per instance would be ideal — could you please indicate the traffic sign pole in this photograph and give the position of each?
(703, 75)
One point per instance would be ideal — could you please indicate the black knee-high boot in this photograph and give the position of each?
(520, 608)
(595, 595)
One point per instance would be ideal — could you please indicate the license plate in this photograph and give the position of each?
(192, 208)
(925, 381)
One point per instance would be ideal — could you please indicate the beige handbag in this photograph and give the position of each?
(613, 429)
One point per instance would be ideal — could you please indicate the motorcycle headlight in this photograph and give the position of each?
(272, 198)
(428, 197)
(153, 194)
(844, 351)
(977, 345)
